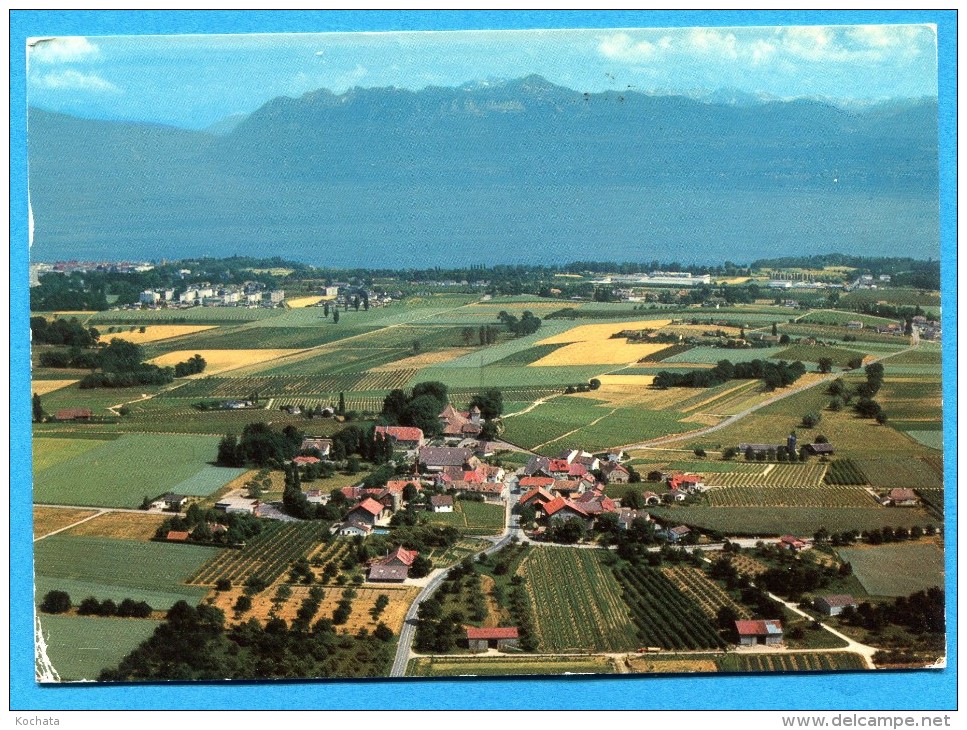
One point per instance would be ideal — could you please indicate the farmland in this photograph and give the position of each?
(899, 472)
(50, 519)
(471, 518)
(833, 497)
(265, 556)
(776, 475)
(108, 568)
(507, 666)
(79, 647)
(791, 662)
(160, 461)
(897, 569)
(153, 333)
(663, 615)
(218, 361)
(706, 593)
(576, 602)
(120, 526)
(45, 386)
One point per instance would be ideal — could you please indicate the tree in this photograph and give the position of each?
(784, 339)
(825, 364)
(335, 316)
(700, 453)
(383, 632)
(490, 403)
(38, 409)
(341, 410)
(56, 602)
(594, 383)
(228, 453)
(421, 567)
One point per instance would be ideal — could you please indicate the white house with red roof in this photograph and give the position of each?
(405, 437)
(793, 543)
(460, 424)
(369, 512)
(615, 473)
(496, 637)
(394, 568)
(767, 632)
(687, 482)
(565, 509)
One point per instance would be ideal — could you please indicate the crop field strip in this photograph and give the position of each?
(845, 472)
(80, 647)
(746, 565)
(266, 556)
(791, 662)
(706, 593)
(933, 501)
(665, 617)
(817, 497)
(781, 475)
(483, 666)
(576, 601)
(897, 569)
(900, 472)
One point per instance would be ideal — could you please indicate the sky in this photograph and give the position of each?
(193, 81)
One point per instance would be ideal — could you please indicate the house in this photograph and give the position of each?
(793, 543)
(176, 536)
(568, 487)
(615, 454)
(536, 466)
(687, 482)
(538, 496)
(394, 568)
(460, 424)
(355, 529)
(903, 498)
(435, 458)
(174, 502)
(497, 637)
(74, 414)
(405, 437)
(315, 496)
(237, 505)
(564, 509)
(756, 448)
(751, 633)
(676, 495)
(820, 449)
(485, 448)
(595, 503)
(677, 534)
(441, 503)
(615, 473)
(304, 460)
(396, 486)
(369, 512)
(492, 492)
(532, 483)
(651, 499)
(626, 516)
(310, 444)
(834, 605)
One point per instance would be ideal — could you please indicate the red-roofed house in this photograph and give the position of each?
(400, 556)
(565, 509)
(569, 487)
(538, 495)
(394, 568)
(497, 637)
(74, 414)
(369, 512)
(903, 498)
(686, 481)
(176, 536)
(441, 503)
(558, 466)
(303, 460)
(535, 482)
(793, 543)
(396, 486)
(596, 504)
(767, 632)
(650, 498)
(406, 437)
(460, 424)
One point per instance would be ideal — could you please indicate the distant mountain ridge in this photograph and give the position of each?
(482, 162)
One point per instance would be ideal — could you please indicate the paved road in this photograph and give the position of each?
(405, 645)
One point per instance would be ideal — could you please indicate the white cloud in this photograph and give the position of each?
(71, 79)
(711, 42)
(61, 50)
(620, 47)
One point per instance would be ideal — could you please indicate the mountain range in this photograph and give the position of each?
(493, 172)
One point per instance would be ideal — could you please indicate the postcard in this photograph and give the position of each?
(486, 353)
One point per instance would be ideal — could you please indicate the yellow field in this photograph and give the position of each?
(219, 361)
(155, 332)
(300, 302)
(568, 276)
(49, 519)
(734, 280)
(695, 330)
(415, 362)
(43, 387)
(599, 332)
(122, 526)
(599, 352)
(644, 664)
(400, 598)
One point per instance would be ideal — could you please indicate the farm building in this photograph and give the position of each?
(174, 502)
(460, 424)
(369, 512)
(492, 492)
(820, 449)
(436, 458)
(497, 637)
(176, 536)
(74, 414)
(394, 568)
(833, 605)
(677, 534)
(239, 505)
(441, 503)
(767, 632)
(903, 498)
(406, 437)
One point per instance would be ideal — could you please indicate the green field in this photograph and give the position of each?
(49, 452)
(122, 472)
(920, 356)
(471, 518)
(762, 521)
(576, 601)
(899, 472)
(716, 467)
(506, 666)
(207, 481)
(107, 568)
(249, 337)
(932, 439)
(79, 647)
(812, 353)
(195, 315)
(903, 297)
(791, 662)
(508, 377)
(837, 317)
(711, 355)
(898, 569)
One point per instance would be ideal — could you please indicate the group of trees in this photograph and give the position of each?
(192, 366)
(192, 643)
(260, 445)
(122, 365)
(197, 521)
(60, 602)
(921, 612)
(420, 408)
(773, 374)
(865, 406)
(67, 332)
(528, 324)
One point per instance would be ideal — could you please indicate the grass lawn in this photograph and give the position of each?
(711, 355)
(506, 666)
(762, 521)
(49, 452)
(107, 568)
(471, 518)
(898, 569)
(79, 647)
(207, 481)
(121, 473)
